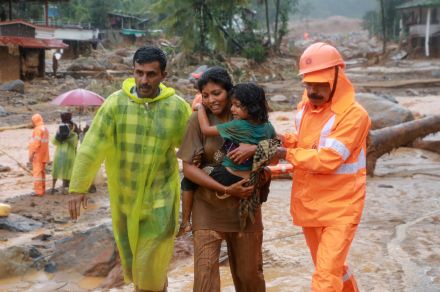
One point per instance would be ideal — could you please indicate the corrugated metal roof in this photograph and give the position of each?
(24, 22)
(419, 3)
(32, 42)
(135, 32)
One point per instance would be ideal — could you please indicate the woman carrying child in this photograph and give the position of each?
(215, 219)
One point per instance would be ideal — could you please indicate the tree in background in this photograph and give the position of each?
(284, 9)
(276, 15)
(94, 13)
(209, 26)
(384, 21)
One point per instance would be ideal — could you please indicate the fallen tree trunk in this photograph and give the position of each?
(384, 140)
(433, 146)
(23, 126)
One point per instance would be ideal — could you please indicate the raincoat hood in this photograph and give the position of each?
(37, 119)
(127, 87)
(344, 93)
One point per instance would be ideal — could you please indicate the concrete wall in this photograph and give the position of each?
(76, 34)
(10, 68)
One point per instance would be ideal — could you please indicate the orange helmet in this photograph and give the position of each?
(319, 56)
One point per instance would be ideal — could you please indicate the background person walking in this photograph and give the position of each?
(65, 141)
(38, 150)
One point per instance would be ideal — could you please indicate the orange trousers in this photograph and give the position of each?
(329, 246)
(39, 174)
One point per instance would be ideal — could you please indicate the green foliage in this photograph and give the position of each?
(94, 12)
(372, 20)
(257, 53)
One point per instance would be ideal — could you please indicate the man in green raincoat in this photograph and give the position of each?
(136, 132)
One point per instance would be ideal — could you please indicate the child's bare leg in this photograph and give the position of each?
(187, 202)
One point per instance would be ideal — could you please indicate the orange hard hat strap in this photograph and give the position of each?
(335, 82)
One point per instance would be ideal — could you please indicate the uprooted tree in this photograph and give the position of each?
(384, 140)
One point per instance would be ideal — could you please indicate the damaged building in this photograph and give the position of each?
(22, 54)
(420, 24)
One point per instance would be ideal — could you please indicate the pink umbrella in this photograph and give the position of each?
(79, 97)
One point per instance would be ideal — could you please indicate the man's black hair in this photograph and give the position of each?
(217, 75)
(252, 97)
(149, 54)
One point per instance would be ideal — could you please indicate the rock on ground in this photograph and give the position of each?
(91, 253)
(16, 85)
(17, 260)
(18, 223)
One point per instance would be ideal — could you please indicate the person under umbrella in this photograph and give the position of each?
(65, 141)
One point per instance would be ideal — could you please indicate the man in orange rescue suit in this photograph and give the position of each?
(39, 154)
(328, 153)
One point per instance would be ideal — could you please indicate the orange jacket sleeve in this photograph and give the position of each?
(34, 145)
(349, 134)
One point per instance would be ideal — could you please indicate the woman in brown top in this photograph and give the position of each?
(214, 219)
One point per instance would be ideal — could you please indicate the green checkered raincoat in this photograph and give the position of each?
(64, 156)
(137, 139)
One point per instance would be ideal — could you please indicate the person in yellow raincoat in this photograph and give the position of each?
(328, 153)
(38, 150)
(66, 142)
(136, 132)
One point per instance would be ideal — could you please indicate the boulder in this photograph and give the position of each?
(115, 277)
(86, 64)
(382, 111)
(16, 85)
(18, 223)
(91, 253)
(279, 98)
(17, 260)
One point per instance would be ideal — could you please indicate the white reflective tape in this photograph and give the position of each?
(283, 168)
(37, 138)
(326, 131)
(298, 119)
(45, 140)
(338, 146)
(347, 275)
(352, 168)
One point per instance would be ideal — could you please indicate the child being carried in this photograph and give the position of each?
(250, 125)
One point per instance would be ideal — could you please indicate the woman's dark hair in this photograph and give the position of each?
(149, 54)
(252, 97)
(217, 75)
